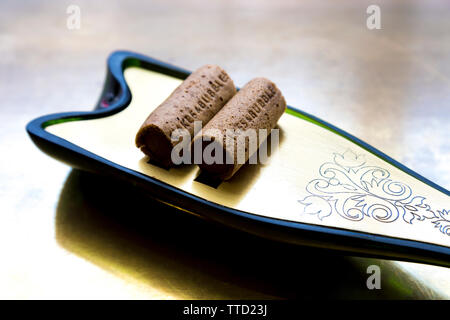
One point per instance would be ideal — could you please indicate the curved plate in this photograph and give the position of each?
(322, 186)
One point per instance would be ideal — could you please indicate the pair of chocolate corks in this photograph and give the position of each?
(208, 96)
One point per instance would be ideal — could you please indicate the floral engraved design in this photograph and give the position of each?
(354, 190)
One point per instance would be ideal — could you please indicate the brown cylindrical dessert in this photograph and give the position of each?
(258, 105)
(198, 98)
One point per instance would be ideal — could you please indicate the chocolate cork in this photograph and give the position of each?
(258, 105)
(198, 98)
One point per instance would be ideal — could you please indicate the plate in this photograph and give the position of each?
(322, 187)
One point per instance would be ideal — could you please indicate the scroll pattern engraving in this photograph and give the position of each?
(354, 190)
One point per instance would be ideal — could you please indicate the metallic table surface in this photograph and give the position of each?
(70, 234)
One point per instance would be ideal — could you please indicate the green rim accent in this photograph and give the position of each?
(131, 62)
(305, 117)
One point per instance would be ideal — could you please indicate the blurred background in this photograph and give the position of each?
(68, 234)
